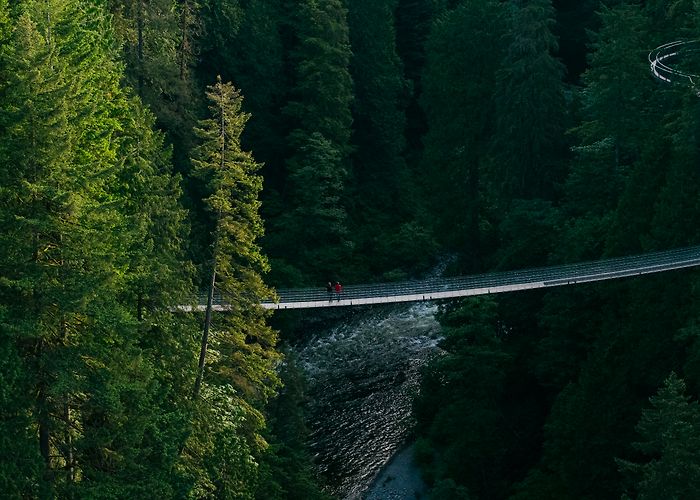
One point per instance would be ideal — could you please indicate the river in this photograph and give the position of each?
(363, 373)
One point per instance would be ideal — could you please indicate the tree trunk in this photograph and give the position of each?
(184, 38)
(205, 334)
(69, 446)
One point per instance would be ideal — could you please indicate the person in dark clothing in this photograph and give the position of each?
(329, 290)
(338, 289)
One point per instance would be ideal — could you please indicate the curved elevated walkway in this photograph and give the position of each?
(482, 284)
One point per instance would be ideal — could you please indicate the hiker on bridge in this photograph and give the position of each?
(329, 290)
(338, 289)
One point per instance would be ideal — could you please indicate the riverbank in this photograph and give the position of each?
(400, 479)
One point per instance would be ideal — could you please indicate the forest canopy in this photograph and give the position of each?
(150, 150)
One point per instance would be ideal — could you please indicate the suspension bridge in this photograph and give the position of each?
(481, 284)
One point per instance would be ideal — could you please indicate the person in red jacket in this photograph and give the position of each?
(338, 289)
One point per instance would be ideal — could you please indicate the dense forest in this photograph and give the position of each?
(153, 149)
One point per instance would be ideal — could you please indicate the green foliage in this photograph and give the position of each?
(218, 456)
(447, 489)
(540, 485)
(617, 89)
(530, 109)
(383, 194)
(20, 462)
(679, 192)
(5, 26)
(158, 37)
(463, 419)
(361, 181)
(585, 358)
(286, 468)
(457, 100)
(413, 19)
(244, 45)
(76, 252)
(240, 368)
(319, 113)
(321, 96)
(670, 434)
(317, 173)
(527, 234)
(617, 117)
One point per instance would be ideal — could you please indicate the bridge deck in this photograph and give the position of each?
(443, 288)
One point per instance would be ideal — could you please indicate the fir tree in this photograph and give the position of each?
(385, 200)
(529, 107)
(670, 439)
(237, 357)
(615, 115)
(319, 113)
(244, 43)
(69, 253)
(458, 103)
(462, 427)
(159, 38)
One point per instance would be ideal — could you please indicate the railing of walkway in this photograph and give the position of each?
(436, 288)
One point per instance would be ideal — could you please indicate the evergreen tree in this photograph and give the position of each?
(317, 216)
(528, 140)
(159, 38)
(617, 123)
(575, 20)
(458, 103)
(676, 211)
(236, 373)
(157, 274)
(5, 23)
(286, 468)
(615, 114)
(320, 117)
(378, 117)
(413, 21)
(244, 43)
(68, 254)
(248, 43)
(677, 208)
(463, 427)
(670, 433)
(158, 277)
(625, 353)
(384, 198)
(321, 97)
(20, 462)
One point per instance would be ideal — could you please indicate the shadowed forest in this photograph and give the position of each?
(151, 149)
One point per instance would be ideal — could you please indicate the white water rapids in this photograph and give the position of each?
(362, 375)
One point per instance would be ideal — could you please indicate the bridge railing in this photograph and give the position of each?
(552, 275)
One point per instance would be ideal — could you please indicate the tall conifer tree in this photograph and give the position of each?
(244, 43)
(237, 360)
(160, 40)
(614, 125)
(69, 250)
(528, 143)
(319, 144)
(20, 461)
(384, 198)
(528, 153)
(670, 439)
(458, 103)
